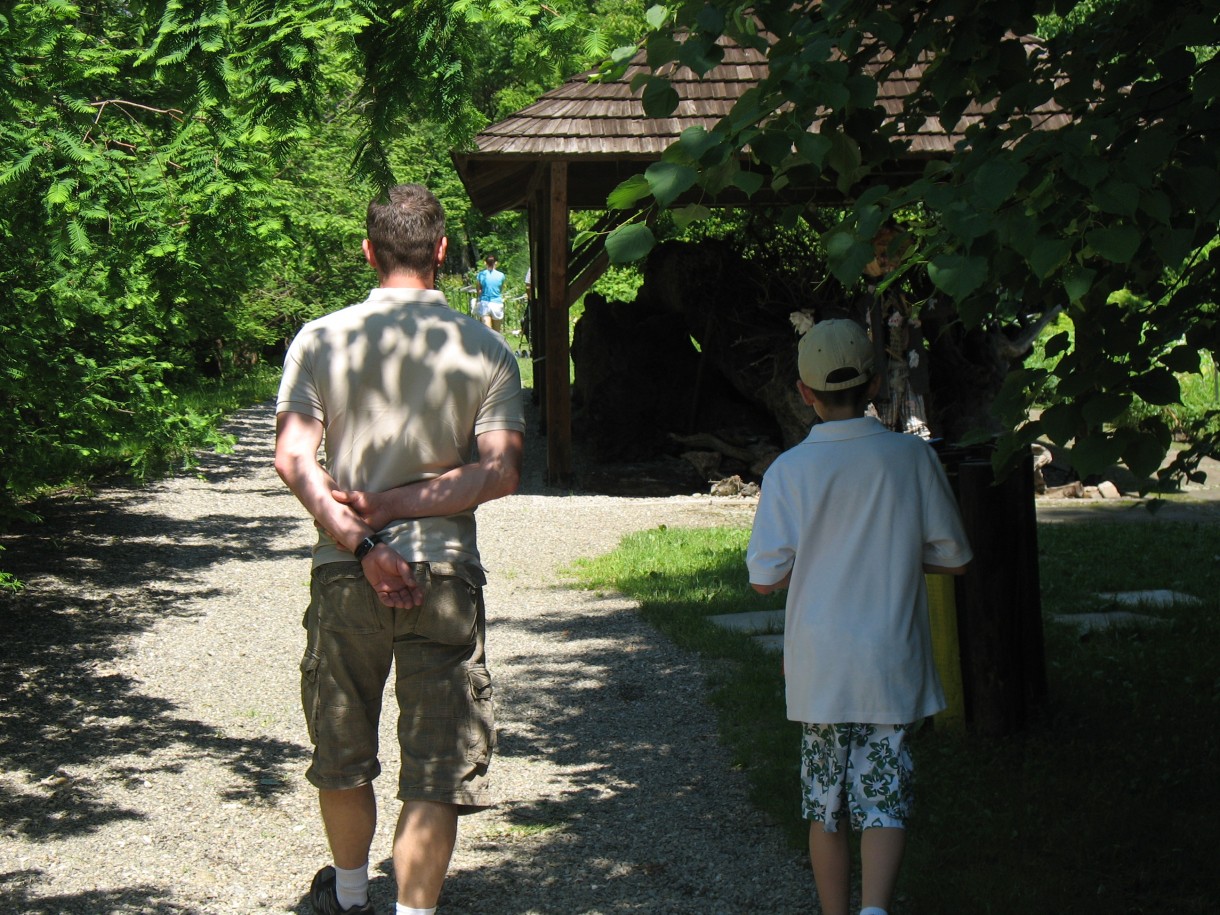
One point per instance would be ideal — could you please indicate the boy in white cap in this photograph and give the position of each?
(849, 520)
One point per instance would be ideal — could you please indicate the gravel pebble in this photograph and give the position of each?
(152, 748)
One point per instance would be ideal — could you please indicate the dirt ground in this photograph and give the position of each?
(1192, 502)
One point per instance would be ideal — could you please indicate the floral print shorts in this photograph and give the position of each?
(859, 770)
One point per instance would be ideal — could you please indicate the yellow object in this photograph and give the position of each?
(942, 607)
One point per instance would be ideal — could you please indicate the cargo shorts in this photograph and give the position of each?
(446, 723)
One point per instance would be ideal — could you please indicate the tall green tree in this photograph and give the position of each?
(1111, 219)
(137, 142)
(183, 181)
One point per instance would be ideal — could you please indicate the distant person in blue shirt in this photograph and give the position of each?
(491, 298)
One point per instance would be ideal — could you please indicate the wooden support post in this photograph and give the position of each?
(558, 378)
(539, 266)
(999, 600)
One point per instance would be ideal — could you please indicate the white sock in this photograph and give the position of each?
(873, 910)
(352, 886)
(400, 909)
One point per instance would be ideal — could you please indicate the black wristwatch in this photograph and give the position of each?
(366, 545)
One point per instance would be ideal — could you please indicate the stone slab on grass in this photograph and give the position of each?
(1156, 598)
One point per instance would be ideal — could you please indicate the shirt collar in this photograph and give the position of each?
(844, 429)
(398, 295)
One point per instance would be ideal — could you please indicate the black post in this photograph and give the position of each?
(999, 602)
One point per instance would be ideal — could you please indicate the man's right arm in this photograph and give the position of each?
(297, 437)
(496, 473)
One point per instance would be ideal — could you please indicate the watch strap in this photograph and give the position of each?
(365, 546)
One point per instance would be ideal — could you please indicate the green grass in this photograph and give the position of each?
(1106, 805)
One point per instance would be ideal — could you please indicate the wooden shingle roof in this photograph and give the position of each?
(600, 130)
(606, 119)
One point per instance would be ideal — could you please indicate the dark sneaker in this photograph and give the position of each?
(324, 900)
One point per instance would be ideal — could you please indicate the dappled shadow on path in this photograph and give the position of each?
(645, 783)
(136, 900)
(98, 573)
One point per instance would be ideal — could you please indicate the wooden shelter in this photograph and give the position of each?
(574, 145)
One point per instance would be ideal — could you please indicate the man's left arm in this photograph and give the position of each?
(297, 437)
(496, 473)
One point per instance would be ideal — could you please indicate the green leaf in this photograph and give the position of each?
(655, 16)
(623, 54)
(1061, 422)
(1116, 244)
(1157, 205)
(1158, 387)
(1059, 343)
(61, 192)
(1077, 281)
(847, 254)
(1144, 454)
(701, 56)
(772, 147)
(667, 181)
(660, 98)
(629, 243)
(749, 182)
(813, 148)
(996, 181)
(710, 19)
(1105, 407)
(1015, 393)
(1047, 255)
(629, 193)
(1183, 358)
(844, 158)
(1119, 197)
(1095, 452)
(957, 275)
(695, 141)
(1172, 246)
(691, 213)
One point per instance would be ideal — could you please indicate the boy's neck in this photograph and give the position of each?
(840, 414)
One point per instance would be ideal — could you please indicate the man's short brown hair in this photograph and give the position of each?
(405, 224)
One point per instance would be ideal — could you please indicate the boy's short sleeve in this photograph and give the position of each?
(773, 539)
(945, 542)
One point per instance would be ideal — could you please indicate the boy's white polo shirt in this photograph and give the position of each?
(854, 511)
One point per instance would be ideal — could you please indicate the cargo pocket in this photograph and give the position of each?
(480, 736)
(309, 691)
(346, 600)
(450, 612)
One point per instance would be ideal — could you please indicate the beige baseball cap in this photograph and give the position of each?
(838, 348)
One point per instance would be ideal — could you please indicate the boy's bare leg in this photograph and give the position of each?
(881, 851)
(831, 860)
(350, 817)
(423, 845)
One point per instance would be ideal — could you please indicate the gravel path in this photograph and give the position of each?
(152, 749)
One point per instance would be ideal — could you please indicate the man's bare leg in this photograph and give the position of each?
(423, 845)
(350, 817)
